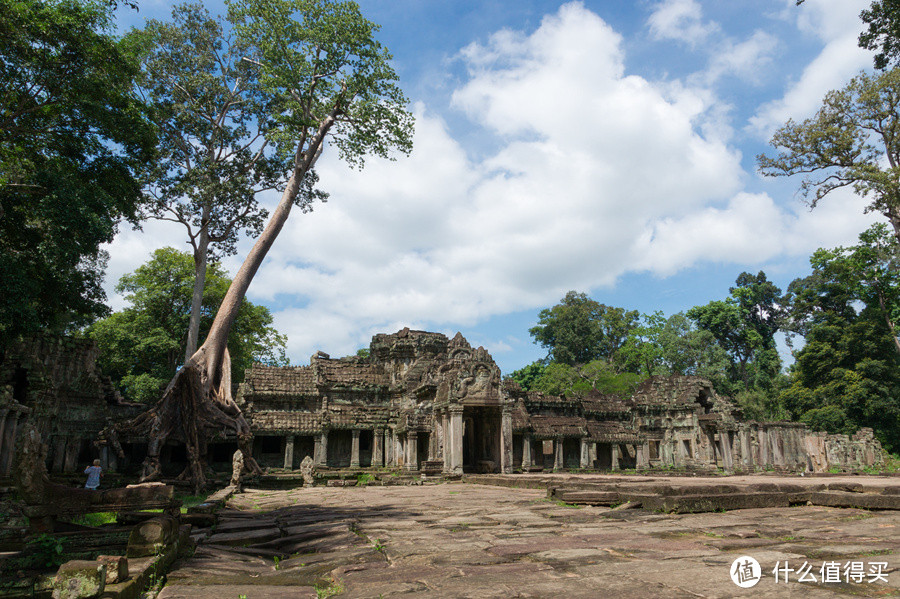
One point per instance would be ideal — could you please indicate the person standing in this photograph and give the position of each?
(94, 473)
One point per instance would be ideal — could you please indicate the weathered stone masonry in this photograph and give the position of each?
(426, 403)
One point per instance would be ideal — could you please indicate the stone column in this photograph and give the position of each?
(398, 450)
(412, 451)
(445, 440)
(320, 451)
(725, 442)
(585, 453)
(389, 447)
(558, 463)
(354, 448)
(765, 458)
(289, 452)
(641, 454)
(506, 441)
(526, 451)
(59, 454)
(377, 448)
(3, 418)
(614, 455)
(456, 440)
(9, 443)
(104, 458)
(746, 453)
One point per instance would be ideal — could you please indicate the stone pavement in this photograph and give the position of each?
(470, 540)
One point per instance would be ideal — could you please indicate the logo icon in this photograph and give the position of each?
(745, 572)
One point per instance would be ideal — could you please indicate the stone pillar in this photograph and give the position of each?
(3, 418)
(585, 453)
(765, 456)
(377, 448)
(289, 452)
(398, 450)
(59, 454)
(746, 452)
(445, 440)
(113, 461)
(354, 448)
(388, 447)
(9, 443)
(320, 451)
(526, 452)
(104, 458)
(614, 454)
(456, 440)
(642, 459)
(412, 451)
(506, 441)
(776, 441)
(725, 442)
(558, 463)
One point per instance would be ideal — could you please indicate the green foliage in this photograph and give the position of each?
(95, 519)
(47, 549)
(72, 141)
(674, 345)
(579, 330)
(597, 375)
(883, 33)
(142, 346)
(744, 325)
(528, 375)
(210, 113)
(847, 374)
(851, 142)
(319, 63)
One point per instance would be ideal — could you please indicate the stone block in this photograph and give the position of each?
(79, 579)
(116, 567)
(150, 537)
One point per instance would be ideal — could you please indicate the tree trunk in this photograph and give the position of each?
(199, 396)
(201, 254)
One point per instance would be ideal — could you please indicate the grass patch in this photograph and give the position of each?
(96, 519)
(328, 589)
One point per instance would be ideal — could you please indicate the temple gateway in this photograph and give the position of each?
(429, 404)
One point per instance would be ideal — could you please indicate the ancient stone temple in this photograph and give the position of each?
(53, 382)
(426, 403)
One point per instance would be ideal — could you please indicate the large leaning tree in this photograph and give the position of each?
(327, 81)
(852, 141)
(212, 118)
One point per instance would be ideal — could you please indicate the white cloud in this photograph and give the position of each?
(597, 173)
(837, 24)
(744, 59)
(680, 20)
(591, 156)
(752, 229)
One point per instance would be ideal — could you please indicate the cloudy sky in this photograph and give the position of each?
(604, 147)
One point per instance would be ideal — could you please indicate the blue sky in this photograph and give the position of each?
(604, 147)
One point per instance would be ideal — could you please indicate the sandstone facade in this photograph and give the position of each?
(426, 403)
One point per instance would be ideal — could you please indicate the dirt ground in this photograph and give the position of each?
(471, 540)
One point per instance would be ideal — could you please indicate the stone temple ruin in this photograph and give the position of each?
(419, 402)
(425, 403)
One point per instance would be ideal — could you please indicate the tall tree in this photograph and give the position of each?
(141, 347)
(847, 374)
(745, 324)
(852, 141)
(882, 35)
(325, 77)
(579, 330)
(214, 156)
(72, 140)
(674, 345)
